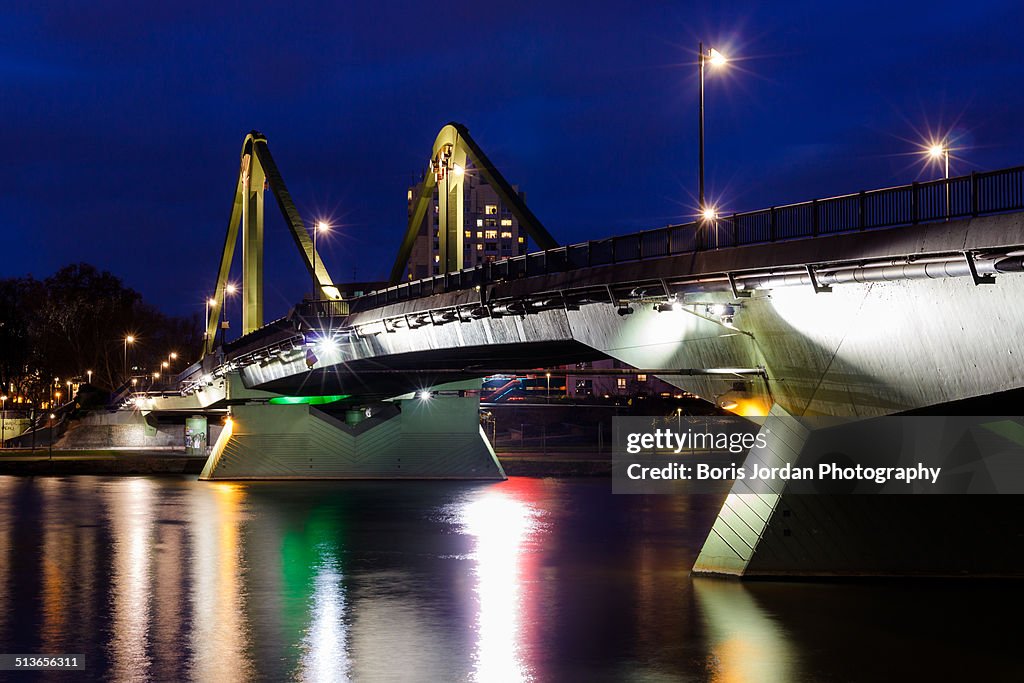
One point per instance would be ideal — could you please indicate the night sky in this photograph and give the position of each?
(122, 122)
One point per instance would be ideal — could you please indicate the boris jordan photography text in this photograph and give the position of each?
(783, 454)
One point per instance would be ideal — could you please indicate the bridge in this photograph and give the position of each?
(867, 304)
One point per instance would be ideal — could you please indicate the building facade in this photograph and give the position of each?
(491, 232)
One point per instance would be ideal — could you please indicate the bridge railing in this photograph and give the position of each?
(937, 200)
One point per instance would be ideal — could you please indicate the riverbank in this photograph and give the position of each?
(517, 463)
(106, 462)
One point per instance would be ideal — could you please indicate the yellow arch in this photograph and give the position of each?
(257, 171)
(453, 148)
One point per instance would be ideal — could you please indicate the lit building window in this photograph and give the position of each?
(506, 222)
(479, 246)
(479, 222)
(620, 382)
(641, 378)
(505, 234)
(479, 234)
(491, 234)
(469, 233)
(437, 259)
(491, 209)
(489, 222)
(409, 195)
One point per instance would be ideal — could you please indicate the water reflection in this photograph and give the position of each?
(130, 508)
(746, 645)
(502, 520)
(219, 630)
(326, 657)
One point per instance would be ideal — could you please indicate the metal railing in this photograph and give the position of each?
(937, 200)
(323, 308)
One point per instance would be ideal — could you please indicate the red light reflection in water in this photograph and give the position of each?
(506, 523)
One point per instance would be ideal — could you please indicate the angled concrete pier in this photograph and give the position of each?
(417, 438)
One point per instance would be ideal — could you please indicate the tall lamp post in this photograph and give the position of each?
(228, 289)
(940, 151)
(210, 301)
(129, 339)
(717, 59)
(321, 226)
(3, 423)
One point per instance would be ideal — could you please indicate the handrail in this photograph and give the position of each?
(979, 193)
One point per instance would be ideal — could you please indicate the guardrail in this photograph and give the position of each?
(937, 200)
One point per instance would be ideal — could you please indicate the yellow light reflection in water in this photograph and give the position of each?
(502, 521)
(326, 656)
(131, 520)
(747, 645)
(57, 549)
(6, 514)
(220, 631)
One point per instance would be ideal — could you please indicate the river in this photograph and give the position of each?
(172, 579)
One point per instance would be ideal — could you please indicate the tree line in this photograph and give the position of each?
(75, 321)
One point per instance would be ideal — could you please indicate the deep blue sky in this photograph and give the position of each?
(122, 122)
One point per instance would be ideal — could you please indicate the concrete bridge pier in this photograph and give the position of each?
(432, 434)
(761, 533)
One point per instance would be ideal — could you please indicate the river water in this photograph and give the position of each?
(171, 579)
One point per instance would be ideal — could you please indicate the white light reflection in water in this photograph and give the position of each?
(501, 522)
(325, 656)
(220, 632)
(131, 521)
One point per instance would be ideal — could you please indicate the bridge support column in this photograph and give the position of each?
(253, 182)
(419, 438)
(845, 534)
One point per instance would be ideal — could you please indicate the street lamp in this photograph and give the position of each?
(549, 388)
(229, 288)
(321, 226)
(52, 417)
(3, 423)
(940, 151)
(129, 339)
(717, 59)
(89, 375)
(206, 332)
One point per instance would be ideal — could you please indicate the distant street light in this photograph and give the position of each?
(89, 374)
(52, 417)
(321, 226)
(3, 424)
(717, 59)
(549, 387)
(129, 339)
